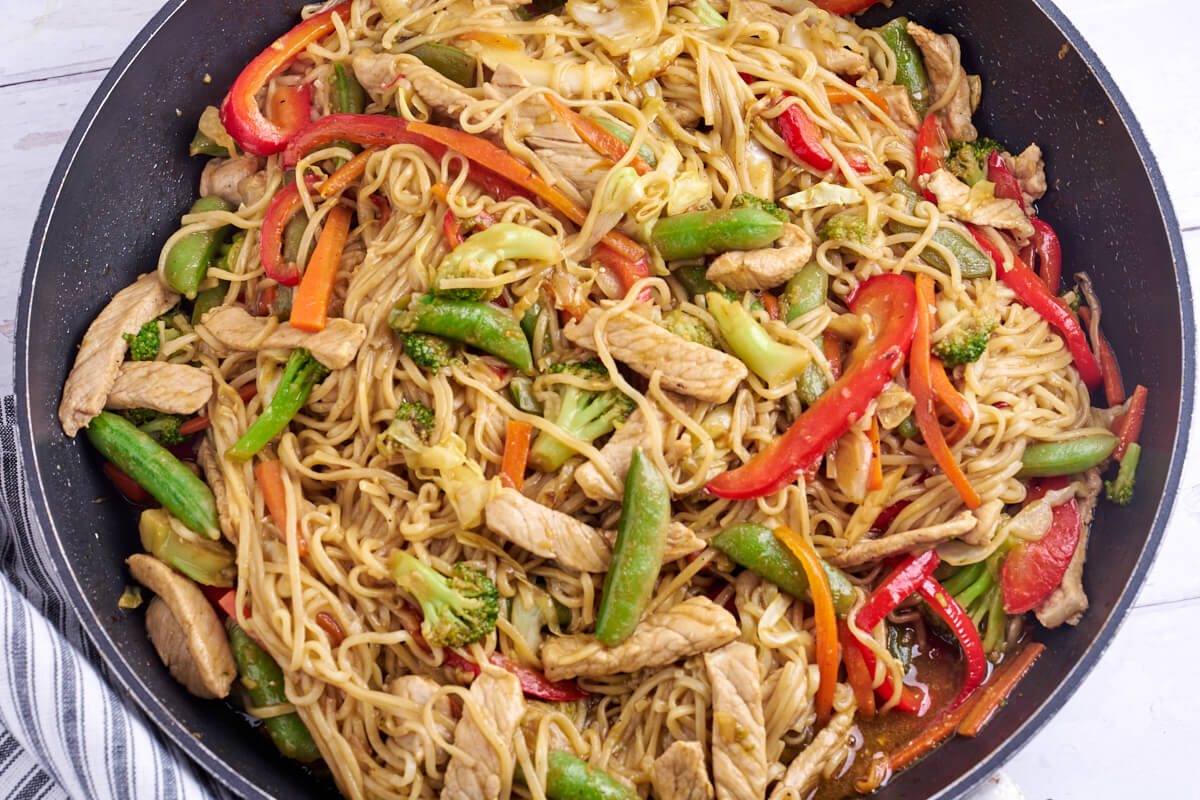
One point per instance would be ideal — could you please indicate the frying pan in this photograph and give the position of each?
(124, 179)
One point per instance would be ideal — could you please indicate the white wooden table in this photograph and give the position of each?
(1130, 729)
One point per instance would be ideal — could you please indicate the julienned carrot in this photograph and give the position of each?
(1110, 370)
(1128, 426)
(955, 403)
(601, 140)
(493, 39)
(197, 424)
(875, 478)
(770, 305)
(920, 384)
(269, 475)
(856, 673)
(996, 691)
(310, 306)
(516, 454)
(833, 353)
(347, 173)
(930, 737)
(824, 614)
(838, 96)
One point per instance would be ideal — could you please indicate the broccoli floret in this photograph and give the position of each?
(747, 200)
(458, 609)
(771, 360)
(687, 326)
(1073, 300)
(584, 414)
(428, 351)
(968, 160)
(1120, 491)
(478, 257)
(409, 430)
(163, 428)
(967, 342)
(143, 345)
(848, 227)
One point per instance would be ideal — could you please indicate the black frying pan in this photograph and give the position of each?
(125, 178)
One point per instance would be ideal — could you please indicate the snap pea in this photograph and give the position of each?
(478, 324)
(756, 548)
(569, 777)
(638, 552)
(263, 680)
(1047, 459)
(811, 383)
(457, 65)
(520, 388)
(349, 97)
(207, 300)
(161, 474)
(695, 283)
(707, 233)
(187, 262)
(804, 291)
(207, 562)
(910, 65)
(971, 260)
(293, 233)
(645, 153)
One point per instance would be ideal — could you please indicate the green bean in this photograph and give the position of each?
(520, 388)
(204, 561)
(188, 260)
(263, 680)
(153, 467)
(706, 233)
(804, 291)
(457, 65)
(569, 777)
(756, 548)
(638, 552)
(695, 283)
(910, 65)
(645, 152)
(207, 300)
(478, 324)
(1048, 459)
(349, 97)
(299, 377)
(971, 260)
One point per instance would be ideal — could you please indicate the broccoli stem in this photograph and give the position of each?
(1120, 491)
(770, 360)
(299, 377)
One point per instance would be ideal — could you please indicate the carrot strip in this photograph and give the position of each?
(1128, 426)
(269, 475)
(823, 613)
(997, 690)
(516, 454)
(770, 305)
(838, 96)
(197, 424)
(930, 737)
(921, 386)
(833, 354)
(347, 173)
(943, 390)
(600, 139)
(441, 191)
(629, 272)
(310, 306)
(875, 478)
(492, 39)
(856, 673)
(1110, 370)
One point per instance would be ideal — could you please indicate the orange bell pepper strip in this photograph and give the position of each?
(347, 173)
(516, 454)
(269, 475)
(875, 476)
(310, 306)
(948, 396)
(828, 656)
(601, 140)
(838, 96)
(920, 383)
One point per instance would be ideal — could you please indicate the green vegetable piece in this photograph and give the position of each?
(263, 681)
(756, 548)
(203, 145)
(811, 384)
(428, 351)
(747, 200)
(638, 552)
(770, 360)
(910, 65)
(293, 234)
(480, 325)
(1068, 457)
(971, 260)
(538, 8)
(708, 233)
(144, 345)
(161, 474)
(477, 258)
(908, 428)
(188, 260)
(458, 609)
(967, 161)
(688, 326)
(695, 283)
(967, 342)
(900, 642)
(349, 97)
(645, 152)
(569, 777)
(208, 299)
(1120, 491)
(847, 227)
(584, 414)
(301, 374)
(457, 65)
(204, 561)
(162, 428)
(520, 388)
(804, 291)
(707, 14)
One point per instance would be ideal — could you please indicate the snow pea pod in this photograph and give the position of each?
(707, 233)
(480, 325)
(455, 64)
(569, 777)
(971, 260)
(1048, 459)
(910, 65)
(188, 260)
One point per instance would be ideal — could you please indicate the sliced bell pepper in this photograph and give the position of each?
(1032, 570)
(280, 211)
(843, 7)
(347, 173)
(931, 152)
(1049, 253)
(949, 397)
(240, 114)
(953, 614)
(1031, 291)
(600, 139)
(1128, 426)
(803, 138)
(1007, 187)
(1114, 390)
(838, 96)
(533, 683)
(828, 657)
(516, 453)
(127, 486)
(889, 303)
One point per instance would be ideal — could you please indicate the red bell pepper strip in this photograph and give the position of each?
(628, 272)
(1033, 570)
(1032, 292)
(532, 682)
(889, 303)
(885, 518)
(843, 7)
(920, 383)
(931, 152)
(953, 614)
(127, 486)
(282, 208)
(1114, 390)
(224, 599)
(803, 138)
(240, 114)
(201, 422)
(290, 107)
(450, 229)
(856, 673)
(1048, 249)
(1128, 426)
(1007, 187)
